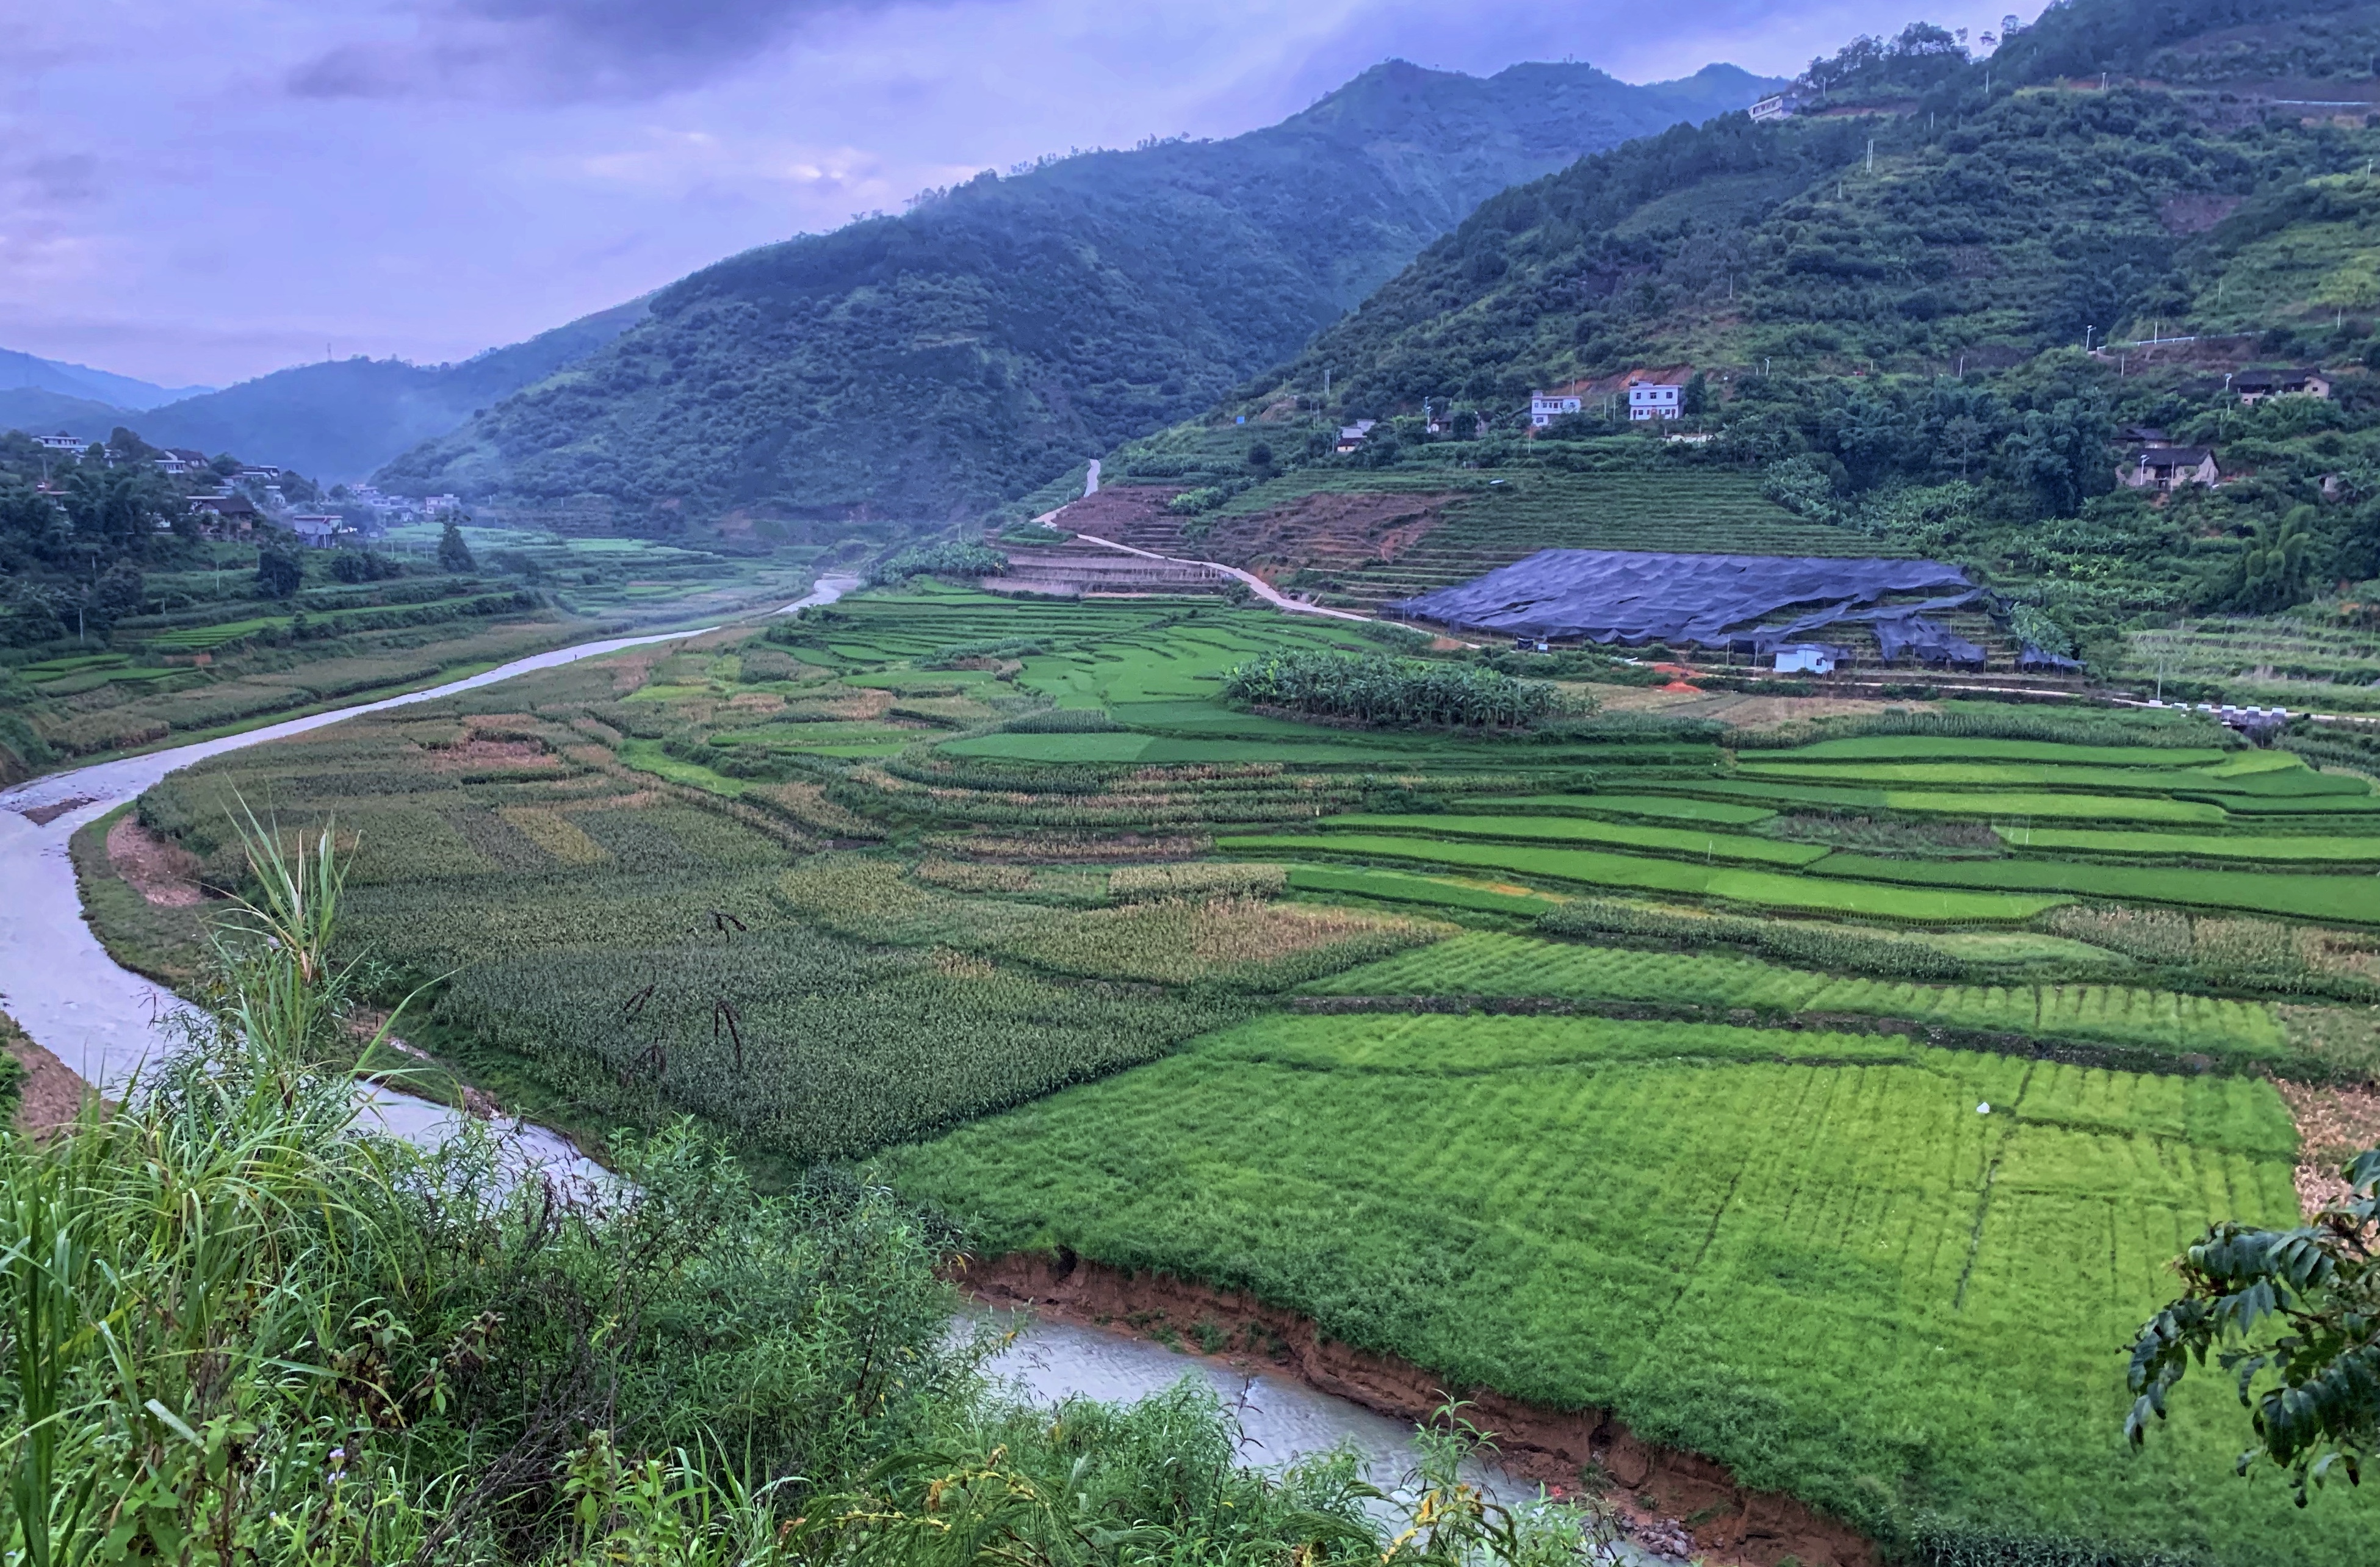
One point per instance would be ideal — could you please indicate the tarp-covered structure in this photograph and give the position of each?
(1749, 603)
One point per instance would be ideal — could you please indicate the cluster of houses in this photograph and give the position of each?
(2157, 465)
(1647, 400)
(2163, 468)
(230, 509)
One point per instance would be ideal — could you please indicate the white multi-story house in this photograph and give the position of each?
(1655, 399)
(61, 442)
(1547, 407)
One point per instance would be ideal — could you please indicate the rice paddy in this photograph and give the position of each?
(1812, 1256)
(1621, 1063)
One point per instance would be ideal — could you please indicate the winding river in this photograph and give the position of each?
(101, 1019)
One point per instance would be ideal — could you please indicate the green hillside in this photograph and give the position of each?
(1001, 331)
(1880, 308)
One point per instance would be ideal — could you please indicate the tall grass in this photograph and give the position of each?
(238, 1326)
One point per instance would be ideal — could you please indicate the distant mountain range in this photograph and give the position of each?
(333, 421)
(25, 372)
(998, 332)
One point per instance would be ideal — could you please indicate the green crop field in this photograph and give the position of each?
(1486, 964)
(1005, 895)
(1400, 886)
(1679, 840)
(1761, 888)
(1657, 807)
(1808, 1256)
(2195, 845)
(2353, 900)
(1963, 749)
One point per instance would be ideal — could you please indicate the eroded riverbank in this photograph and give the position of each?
(1672, 1499)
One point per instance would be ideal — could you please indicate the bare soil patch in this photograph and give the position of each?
(2334, 1126)
(1327, 528)
(2196, 212)
(42, 816)
(49, 1094)
(158, 869)
(1119, 510)
(1563, 1449)
(481, 752)
(1737, 711)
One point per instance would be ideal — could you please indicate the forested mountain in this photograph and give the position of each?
(1882, 304)
(1005, 329)
(40, 411)
(344, 417)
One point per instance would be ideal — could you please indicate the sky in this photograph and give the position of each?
(199, 191)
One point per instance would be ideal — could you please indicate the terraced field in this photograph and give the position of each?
(1832, 1108)
(1817, 1257)
(1490, 964)
(1461, 523)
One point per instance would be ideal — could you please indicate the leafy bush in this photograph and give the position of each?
(950, 558)
(1379, 689)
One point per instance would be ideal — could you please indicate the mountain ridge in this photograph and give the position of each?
(930, 365)
(23, 371)
(340, 420)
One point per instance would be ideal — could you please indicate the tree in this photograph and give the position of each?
(2295, 1316)
(454, 554)
(2276, 569)
(279, 573)
(121, 592)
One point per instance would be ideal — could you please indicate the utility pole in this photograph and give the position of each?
(1871, 154)
(2086, 337)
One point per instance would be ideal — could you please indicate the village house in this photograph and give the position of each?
(225, 516)
(1547, 407)
(435, 505)
(1349, 437)
(1777, 107)
(2254, 386)
(61, 442)
(1808, 658)
(2169, 467)
(1655, 399)
(317, 531)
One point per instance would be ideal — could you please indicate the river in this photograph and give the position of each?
(101, 1019)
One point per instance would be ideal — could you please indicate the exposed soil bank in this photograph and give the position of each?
(48, 1096)
(1686, 1493)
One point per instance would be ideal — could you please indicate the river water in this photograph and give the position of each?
(101, 1020)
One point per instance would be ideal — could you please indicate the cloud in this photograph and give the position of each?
(566, 50)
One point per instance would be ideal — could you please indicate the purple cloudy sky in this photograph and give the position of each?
(202, 190)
